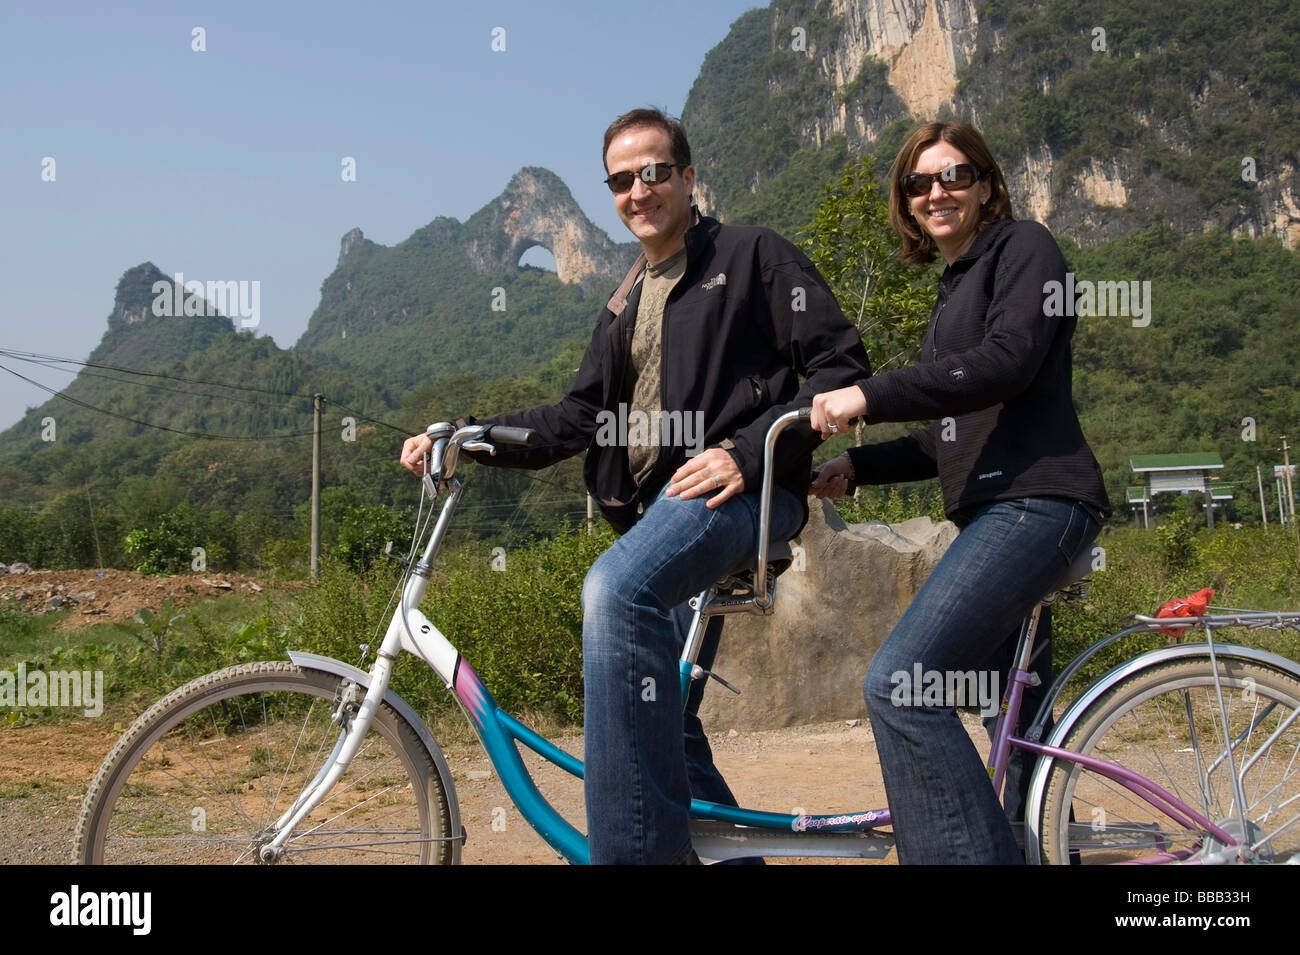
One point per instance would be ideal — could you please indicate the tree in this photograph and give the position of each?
(854, 247)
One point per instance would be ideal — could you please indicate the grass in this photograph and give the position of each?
(27, 787)
(25, 637)
(1250, 567)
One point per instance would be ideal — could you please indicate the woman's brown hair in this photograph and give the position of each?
(918, 245)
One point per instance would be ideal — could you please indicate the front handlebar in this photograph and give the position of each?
(448, 440)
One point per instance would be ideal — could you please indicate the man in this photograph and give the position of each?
(713, 325)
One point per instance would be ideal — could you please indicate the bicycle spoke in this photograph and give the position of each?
(206, 772)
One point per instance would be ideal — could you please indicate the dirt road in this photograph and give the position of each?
(826, 767)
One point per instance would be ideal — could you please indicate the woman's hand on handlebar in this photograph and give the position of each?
(833, 411)
(832, 478)
(414, 452)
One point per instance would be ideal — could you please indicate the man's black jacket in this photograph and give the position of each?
(748, 319)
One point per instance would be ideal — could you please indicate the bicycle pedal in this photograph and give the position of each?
(714, 676)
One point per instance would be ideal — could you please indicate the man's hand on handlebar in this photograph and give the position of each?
(414, 453)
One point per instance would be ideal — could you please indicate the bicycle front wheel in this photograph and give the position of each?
(1166, 724)
(200, 777)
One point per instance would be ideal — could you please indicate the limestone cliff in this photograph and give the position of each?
(802, 71)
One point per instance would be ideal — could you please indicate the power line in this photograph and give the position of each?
(150, 424)
(52, 360)
(36, 356)
(137, 384)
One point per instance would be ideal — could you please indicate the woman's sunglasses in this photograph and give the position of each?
(621, 182)
(959, 176)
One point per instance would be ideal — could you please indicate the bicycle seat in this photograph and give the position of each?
(1079, 568)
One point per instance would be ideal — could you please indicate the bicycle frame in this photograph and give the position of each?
(845, 835)
(1154, 795)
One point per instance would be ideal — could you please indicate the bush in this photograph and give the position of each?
(169, 547)
(892, 504)
(1177, 550)
(516, 615)
(1252, 568)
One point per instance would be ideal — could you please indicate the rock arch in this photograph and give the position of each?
(537, 208)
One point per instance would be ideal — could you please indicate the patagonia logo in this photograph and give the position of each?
(719, 279)
(990, 474)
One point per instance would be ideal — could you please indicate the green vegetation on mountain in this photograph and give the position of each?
(416, 312)
(1217, 369)
(754, 94)
(408, 334)
(1193, 92)
(1193, 109)
(854, 247)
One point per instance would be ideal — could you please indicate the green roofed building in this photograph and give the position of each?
(1176, 474)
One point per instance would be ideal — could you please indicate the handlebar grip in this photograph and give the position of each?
(501, 434)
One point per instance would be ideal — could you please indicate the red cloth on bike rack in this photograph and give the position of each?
(1192, 606)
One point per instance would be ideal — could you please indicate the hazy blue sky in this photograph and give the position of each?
(225, 164)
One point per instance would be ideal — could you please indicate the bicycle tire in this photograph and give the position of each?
(1142, 724)
(201, 774)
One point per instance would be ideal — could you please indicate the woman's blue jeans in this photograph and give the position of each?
(643, 760)
(1006, 558)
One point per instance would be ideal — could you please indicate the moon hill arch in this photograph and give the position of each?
(451, 298)
(536, 208)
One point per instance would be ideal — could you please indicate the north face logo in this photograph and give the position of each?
(719, 279)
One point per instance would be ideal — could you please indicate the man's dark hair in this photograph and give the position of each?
(657, 118)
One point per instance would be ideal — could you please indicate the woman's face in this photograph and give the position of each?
(950, 216)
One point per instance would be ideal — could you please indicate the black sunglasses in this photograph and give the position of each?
(621, 182)
(961, 175)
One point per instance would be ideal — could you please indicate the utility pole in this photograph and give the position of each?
(1290, 490)
(318, 402)
(99, 554)
(1286, 476)
(1263, 511)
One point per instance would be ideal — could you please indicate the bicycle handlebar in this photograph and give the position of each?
(448, 440)
(765, 502)
(502, 434)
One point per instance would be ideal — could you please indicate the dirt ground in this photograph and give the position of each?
(112, 595)
(44, 769)
(827, 767)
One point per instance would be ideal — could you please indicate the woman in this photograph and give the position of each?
(1017, 475)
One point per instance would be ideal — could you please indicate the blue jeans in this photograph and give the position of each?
(637, 780)
(1006, 558)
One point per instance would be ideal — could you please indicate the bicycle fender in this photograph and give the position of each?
(313, 661)
(1121, 671)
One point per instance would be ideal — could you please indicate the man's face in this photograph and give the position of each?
(657, 213)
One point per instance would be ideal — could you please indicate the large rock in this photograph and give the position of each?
(834, 607)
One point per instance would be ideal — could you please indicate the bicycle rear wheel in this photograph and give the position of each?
(1165, 722)
(203, 773)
